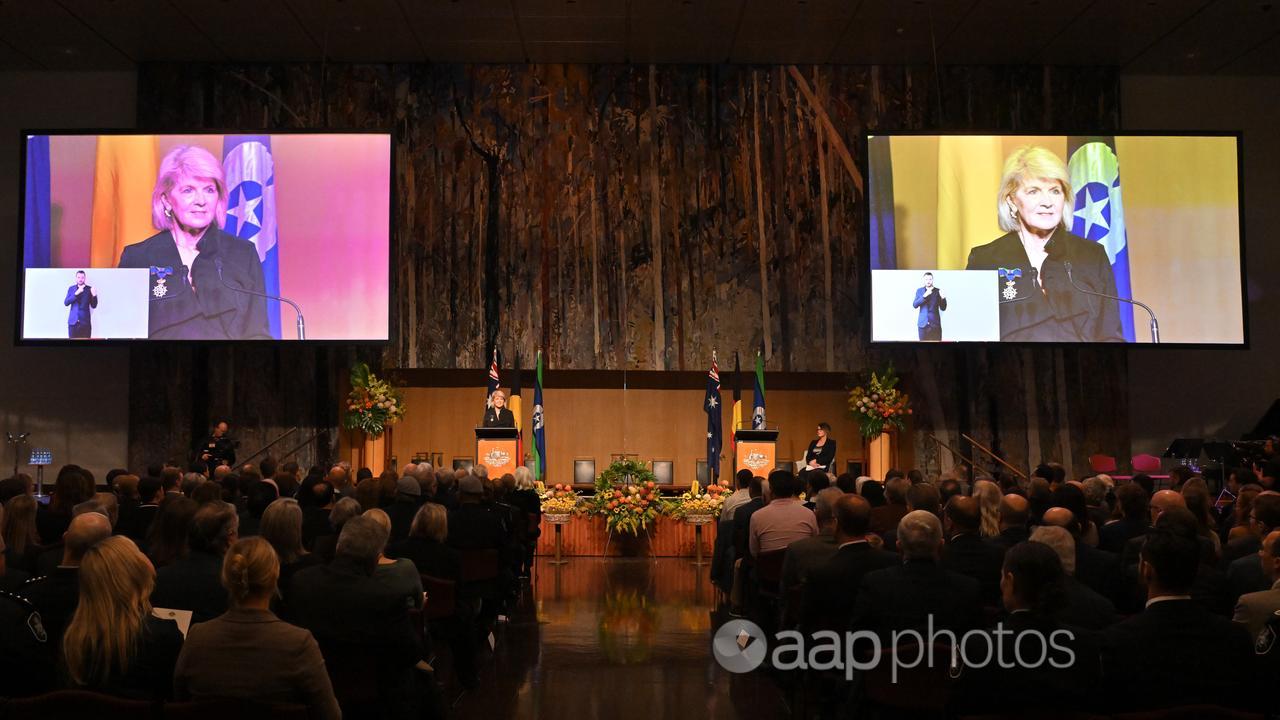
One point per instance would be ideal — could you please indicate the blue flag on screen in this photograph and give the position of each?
(37, 230)
(711, 406)
(884, 241)
(539, 428)
(251, 207)
(1098, 214)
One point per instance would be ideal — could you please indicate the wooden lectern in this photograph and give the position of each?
(496, 450)
(757, 451)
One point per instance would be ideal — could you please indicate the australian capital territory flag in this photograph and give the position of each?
(251, 207)
(1099, 212)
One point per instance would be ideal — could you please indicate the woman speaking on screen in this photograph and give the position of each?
(1038, 302)
(198, 272)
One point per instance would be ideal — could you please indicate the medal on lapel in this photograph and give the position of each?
(1010, 275)
(160, 289)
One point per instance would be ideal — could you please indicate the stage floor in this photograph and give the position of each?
(615, 639)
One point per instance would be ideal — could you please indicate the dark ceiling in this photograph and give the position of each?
(1229, 37)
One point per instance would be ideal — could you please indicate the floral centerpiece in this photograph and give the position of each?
(559, 502)
(879, 405)
(699, 504)
(373, 404)
(627, 497)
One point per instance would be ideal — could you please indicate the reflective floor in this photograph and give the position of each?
(615, 638)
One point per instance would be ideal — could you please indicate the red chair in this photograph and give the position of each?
(442, 598)
(1102, 464)
(1145, 464)
(769, 568)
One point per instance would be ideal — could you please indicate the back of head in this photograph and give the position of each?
(1132, 500)
(381, 517)
(250, 570)
(281, 527)
(919, 535)
(170, 479)
(149, 489)
(895, 473)
(1014, 511)
(213, 528)
(361, 541)
(742, 478)
(895, 490)
(1072, 498)
(431, 522)
(924, 497)
(125, 486)
(873, 492)
(853, 516)
(261, 495)
(964, 514)
(1266, 508)
(1171, 551)
(342, 511)
(824, 502)
(206, 492)
(167, 537)
(756, 488)
(85, 531)
(847, 483)
(817, 481)
(781, 484)
(524, 478)
(1062, 543)
(1145, 482)
(1037, 576)
(1095, 490)
(915, 476)
(116, 581)
(268, 466)
(948, 489)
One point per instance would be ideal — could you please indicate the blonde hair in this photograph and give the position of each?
(524, 478)
(380, 516)
(20, 523)
(116, 581)
(250, 570)
(431, 521)
(194, 162)
(989, 497)
(1031, 162)
(281, 526)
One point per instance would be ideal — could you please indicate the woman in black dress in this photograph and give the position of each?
(821, 454)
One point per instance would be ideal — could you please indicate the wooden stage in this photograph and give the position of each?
(586, 536)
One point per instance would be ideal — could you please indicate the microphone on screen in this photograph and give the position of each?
(302, 325)
(1155, 324)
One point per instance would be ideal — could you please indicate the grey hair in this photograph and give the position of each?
(919, 534)
(825, 502)
(362, 539)
(524, 478)
(1095, 489)
(343, 510)
(481, 472)
(1060, 540)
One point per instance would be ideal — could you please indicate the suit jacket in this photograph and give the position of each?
(742, 528)
(831, 588)
(906, 596)
(1245, 576)
(135, 523)
(1010, 537)
(202, 308)
(430, 557)
(1253, 610)
(56, 596)
(150, 674)
(499, 417)
(80, 304)
(886, 517)
(475, 527)
(930, 308)
(802, 556)
(315, 523)
(1247, 546)
(401, 513)
(253, 655)
(1085, 608)
(1114, 536)
(1099, 570)
(969, 555)
(192, 583)
(1061, 312)
(1176, 653)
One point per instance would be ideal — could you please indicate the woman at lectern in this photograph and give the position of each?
(498, 414)
(1039, 302)
(822, 450)
(203, 280)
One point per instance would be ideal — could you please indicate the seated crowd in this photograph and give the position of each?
(260, 584)
(1169, 595)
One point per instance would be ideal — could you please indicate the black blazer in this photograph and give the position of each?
(825, 455)
(830, 588)
(210, 311)
(1061, 312)
(1009, 537)
(971, 556)
(905, 596)
(1176, 653)
(1085, 608)
(192, 583)
(80, 304)
(499, 417)
(430, 557)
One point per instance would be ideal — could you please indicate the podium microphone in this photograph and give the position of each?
(302, 325)
(1155, 324)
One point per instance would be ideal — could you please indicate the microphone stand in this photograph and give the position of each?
(302, 325)
(1155, 324)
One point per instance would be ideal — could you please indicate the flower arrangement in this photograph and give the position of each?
(698, 502)
(627, 496)
(373, 403)
(880, 405)
(560, 500)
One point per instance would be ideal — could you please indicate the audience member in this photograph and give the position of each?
(402, 511)
(784, 520)
(282, 528)
(167, 539)
(1014, 511)
(989, 497)
(966, 552)
(886, 517)
(399, 574)
(19, 537)
(830, 589)
(55, 595)
(1135, 519)
(194, 582)
(343, 510)
(807, 553)
(1082, 606)
(1254, 609)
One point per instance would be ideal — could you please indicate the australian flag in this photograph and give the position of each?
(251, 207)
(711, 406)
(1099, 212)
(494, 382)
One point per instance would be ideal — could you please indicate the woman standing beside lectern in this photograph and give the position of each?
(498, 414)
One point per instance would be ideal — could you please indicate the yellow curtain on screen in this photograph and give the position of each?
(124, 178)
(969, 170)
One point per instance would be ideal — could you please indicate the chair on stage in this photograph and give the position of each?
(1102, 464)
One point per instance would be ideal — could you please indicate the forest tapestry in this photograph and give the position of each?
(640, 216)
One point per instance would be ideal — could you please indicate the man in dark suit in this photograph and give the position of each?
(1096, 569)
(1146, 658)
(920, 591)
(1081, 605)
(1135, 518)
(316, 498)
(80, 298)
(135, 523)
(830, 589)
(1245, 574)
(195, 582)
(931, 301)
(1014, 514)
(57, 594)
(966, 552)
(885, 518)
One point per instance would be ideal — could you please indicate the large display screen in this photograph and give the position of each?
(1067, 239)
(177, 237)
